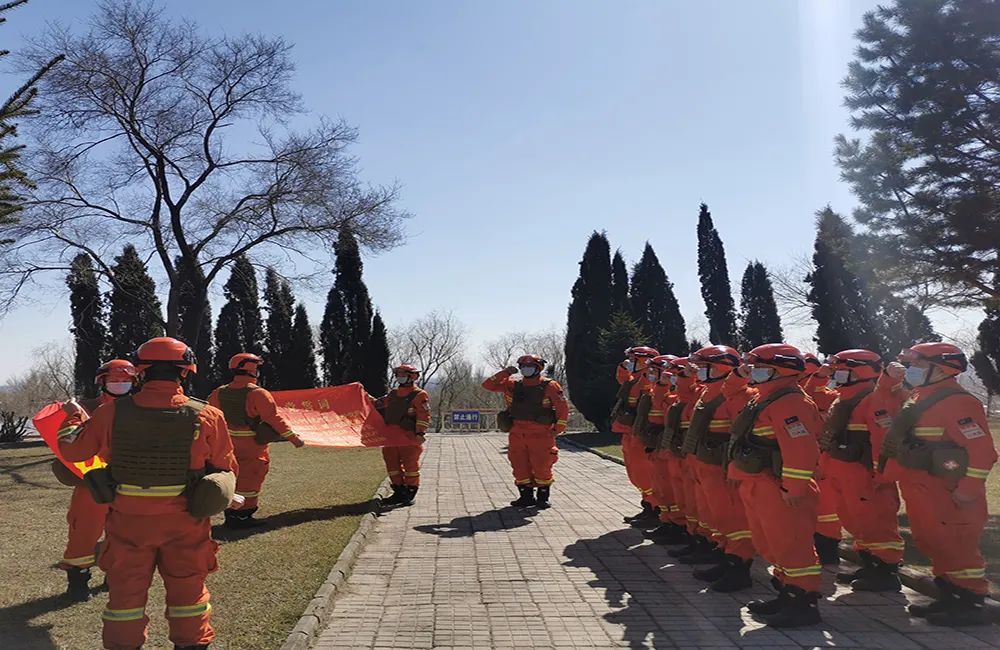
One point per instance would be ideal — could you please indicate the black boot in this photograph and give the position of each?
(77, 585)
(707, 554)
(527, 498)
(668, 534)
(736, 576)
(847, 577)
(828, 549)
(242, 519)
(693, 545)
(646, 509)
(409, 493)
(396, 498)
(542, 500)
(711, 574)
(799, 609)
(880, 576)
(945, 600)
(967, 609)
(761, 608)
(678, 537)
(650, 520)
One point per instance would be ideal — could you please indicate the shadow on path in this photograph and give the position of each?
(294, 518)
(485, 522)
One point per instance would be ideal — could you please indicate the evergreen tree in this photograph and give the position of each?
(280, 308)
(135, 315)
(88, 324)
(589, 313)
(347, 320)
(694, 345)
(841, 304)
(654, 306)
(228, 339)
(619, 283)
(759, 320)
(986, 360)
(299, 363)
(621, 333)
(377, 359)
(240, 327)
(719, 307)
(190, 306)
(901, 324)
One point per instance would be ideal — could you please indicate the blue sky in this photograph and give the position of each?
(517, 128)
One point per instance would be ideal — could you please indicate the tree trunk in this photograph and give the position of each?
(173, 313)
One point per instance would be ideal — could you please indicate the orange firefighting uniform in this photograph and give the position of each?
(828, 521)
(681, 469)
(719, 503)
(402, 464)
(637, 462)
(148, 532)
(660, 459)
(86, 519)
(783, 534)
(868, 508)
(947, 533)
(531, 446)
(254, 459)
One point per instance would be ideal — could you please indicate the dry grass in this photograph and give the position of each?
(609, 443)
(314, 499)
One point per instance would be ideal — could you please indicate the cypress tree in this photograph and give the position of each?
(714, 274)
(694, 345)
(589, 313)
(654, 305)
(347, 320)
(228, 339)
(759, 320)
(298, 366)
(189, 306)
(280, 308)
(619, 284)
(986, 360)
(240, 327)
(377, 359)
(135, 315)
(88, 331)
(621, 333)
(841, 304)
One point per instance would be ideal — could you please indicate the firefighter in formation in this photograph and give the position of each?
(536, 413)
(406, 408)
(770, 454)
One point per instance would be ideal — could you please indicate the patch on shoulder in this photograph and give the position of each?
(970, 429)
(795, 429)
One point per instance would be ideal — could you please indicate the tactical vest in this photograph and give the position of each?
(648, 432)
(673, 433)
(527, 403)
(838, 440)
(623, 413)
(751, 453)
(90, 404)
(233, 404)
(397, 410)
(707, 446)
(152, 446)
(937, 457)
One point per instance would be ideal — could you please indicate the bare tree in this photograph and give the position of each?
(504, 350)
(550, 345)
(791, 291)
(50, 379)
(430, 342)
(132, 146)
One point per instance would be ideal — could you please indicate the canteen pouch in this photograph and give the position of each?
(265, 434)
(949, 463)
(504, 421)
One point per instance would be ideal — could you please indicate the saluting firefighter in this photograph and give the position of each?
(818, 386)
(170, 467)
(536, 413)
(678, 419)
(773, 453)
(85, 516)
(856, 425)
(632, 381)
(254, 422)
(405, 408)
(940, 448)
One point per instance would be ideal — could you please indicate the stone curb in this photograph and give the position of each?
(919, 580)
(317, 613)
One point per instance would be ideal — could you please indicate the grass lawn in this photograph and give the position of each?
(313, 499)
(608, 443)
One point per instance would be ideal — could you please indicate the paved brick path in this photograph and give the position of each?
(461, 569)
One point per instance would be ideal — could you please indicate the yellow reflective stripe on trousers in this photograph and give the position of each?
(86, 560)
(738, 535)
(857, 427)
(411, 474)
(801, 474)
(813, 570)
(882, 546)
(240, 433)
(828, 519)
(972, 472)
(127, 490)
(967, 574)
(542, 483)
(248, 494)
(189, 611)
(121, 615)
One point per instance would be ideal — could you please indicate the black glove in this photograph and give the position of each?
(650, 450)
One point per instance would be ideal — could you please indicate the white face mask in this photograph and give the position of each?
(630, 365)
(673, 380)
(118, 388)
(653, 376)
(703, 374)
(760, 375)
(402, 381)
(841, 377)
(528, 371)
(916, 376)
(832, 384)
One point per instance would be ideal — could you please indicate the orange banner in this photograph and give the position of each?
(48, 421)
(337, 416)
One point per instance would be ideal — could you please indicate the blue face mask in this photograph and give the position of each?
(760, 375)
(916, 376)
(630, 366)
(673, 380)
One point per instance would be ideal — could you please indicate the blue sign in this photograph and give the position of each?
(465, 417)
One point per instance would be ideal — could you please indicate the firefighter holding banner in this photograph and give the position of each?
(407, 410)
(85, 516)
(170, 467)
(254, 422)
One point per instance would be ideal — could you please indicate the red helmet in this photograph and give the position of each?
(243, 359)
(716, 355)
(164, 349)
(812, 362)
(662, 362)
(532, 360)
(116, 370)
(863, 364)
(787, 360)
(679, 366)
(406, 369)
(949, 358)
(642, 351)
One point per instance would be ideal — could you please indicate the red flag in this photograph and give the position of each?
(337, 416)
(48, 421)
